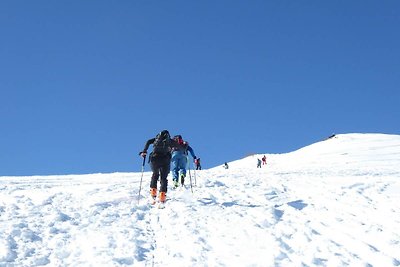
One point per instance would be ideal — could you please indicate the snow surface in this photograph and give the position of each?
(333, 203)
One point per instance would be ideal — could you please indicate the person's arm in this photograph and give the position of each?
(146, 147)
(190, 149)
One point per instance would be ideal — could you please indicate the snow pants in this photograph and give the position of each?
(179, 162)
(160, 166)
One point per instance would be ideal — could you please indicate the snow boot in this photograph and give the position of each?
(163, 197)
(176, 183)
(182, 179)
(153, 194)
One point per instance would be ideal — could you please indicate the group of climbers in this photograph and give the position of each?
(263, 160)
(168, 151)
(173, 151)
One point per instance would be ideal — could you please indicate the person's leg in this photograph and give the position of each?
(175, 167)
(154, 178)
(183, 165)
(182, 168)
(164, 170)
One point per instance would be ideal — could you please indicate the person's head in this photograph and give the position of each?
(178, 138)
(164, 132)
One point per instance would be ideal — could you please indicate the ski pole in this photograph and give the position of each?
(195, 180)
(190, 176)
(141, 178)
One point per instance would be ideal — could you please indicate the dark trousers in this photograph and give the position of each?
(160, 165)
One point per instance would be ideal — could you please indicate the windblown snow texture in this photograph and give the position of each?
(333, 203)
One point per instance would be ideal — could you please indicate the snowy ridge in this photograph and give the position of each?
(333, 203)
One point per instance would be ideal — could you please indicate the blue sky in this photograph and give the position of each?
(85, 83)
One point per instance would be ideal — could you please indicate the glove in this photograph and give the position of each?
(143, 154)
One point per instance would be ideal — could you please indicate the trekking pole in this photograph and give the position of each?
(190, 176)
(141, 178)
(195, 180)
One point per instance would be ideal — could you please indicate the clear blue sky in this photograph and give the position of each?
(83, 84)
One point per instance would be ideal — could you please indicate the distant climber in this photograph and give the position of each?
(197, 163)
(264, 160)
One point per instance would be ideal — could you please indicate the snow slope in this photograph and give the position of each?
(333, 203)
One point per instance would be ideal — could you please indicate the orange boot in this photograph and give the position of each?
(153, 192)
(163, 197)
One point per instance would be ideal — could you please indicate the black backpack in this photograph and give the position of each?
(161, 145)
